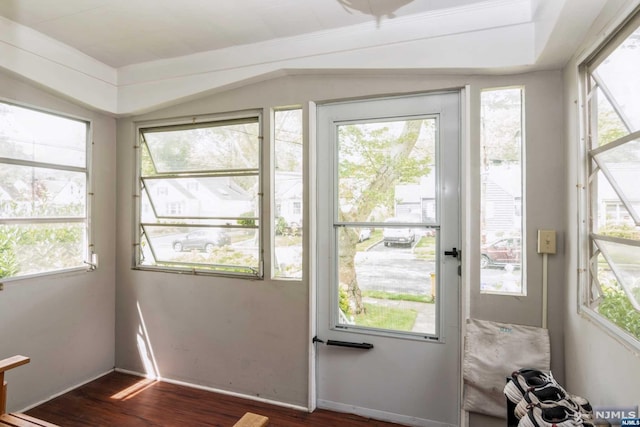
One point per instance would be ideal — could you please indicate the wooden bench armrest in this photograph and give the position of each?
(5, 365)
(13, 362)
(252, 420)
(20, 420)
(23, 420)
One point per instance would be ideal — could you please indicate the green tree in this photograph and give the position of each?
(8, 261)
(616, 307)
(288, 141)
(372, 161)
(501, 126)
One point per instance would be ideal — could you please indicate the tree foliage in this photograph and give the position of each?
(8, 261)
(373, 160)
(616, 307)
(501, 126)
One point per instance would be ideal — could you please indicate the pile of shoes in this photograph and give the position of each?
(541, 402)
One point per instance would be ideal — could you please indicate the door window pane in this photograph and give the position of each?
(386, 225)
(501, 214)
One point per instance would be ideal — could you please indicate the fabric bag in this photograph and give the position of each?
(492, 352)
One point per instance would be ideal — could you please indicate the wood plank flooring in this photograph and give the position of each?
(123, 400)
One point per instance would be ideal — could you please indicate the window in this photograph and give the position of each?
(386, 171)
(501, 220)
(43, 192)
(199, 188)
(288, 193)
(612, 215)
(174, 208)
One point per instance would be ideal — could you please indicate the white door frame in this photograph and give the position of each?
(310, 130)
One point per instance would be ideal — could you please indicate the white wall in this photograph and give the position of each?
(64, 322)
(597, 366)
(544, 208)
(252, 336)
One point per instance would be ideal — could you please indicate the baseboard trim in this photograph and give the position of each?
(216, 390)
(380, 415)
(67, 390)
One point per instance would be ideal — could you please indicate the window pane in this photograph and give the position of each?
(385, 171)
(501, 191)
(610, 126)
(624, 262)
(40, 137)
(288, 192)
(621, 165)
(38, 192)
(387, 225)
(200, 197)
(36, 248)
(619, 77)
(218, 249)
(43, 192)
(204, 147)
(396, 281)
(613, 166)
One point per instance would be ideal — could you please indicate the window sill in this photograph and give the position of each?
(52, 274)
(188, 272)
(611, 329)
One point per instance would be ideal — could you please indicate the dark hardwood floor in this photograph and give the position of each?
(119, 399)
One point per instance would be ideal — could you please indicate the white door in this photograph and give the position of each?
(388, 327)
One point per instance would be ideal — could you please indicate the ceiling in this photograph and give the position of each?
(125, 32)
(107, 53)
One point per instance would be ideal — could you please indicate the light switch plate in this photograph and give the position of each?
(546, 241)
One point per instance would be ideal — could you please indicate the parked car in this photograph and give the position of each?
(365, 234)
(398, 235)
(501, 252)
(203, 240)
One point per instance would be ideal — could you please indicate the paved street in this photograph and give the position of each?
(393, 269)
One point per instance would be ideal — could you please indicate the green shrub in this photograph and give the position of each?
(281, 226)
(247, 222)
(8, 261)
(343, 301)
(616, 307)
(620, 230)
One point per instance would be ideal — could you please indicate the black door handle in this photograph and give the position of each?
(454, 253)
(362, 345)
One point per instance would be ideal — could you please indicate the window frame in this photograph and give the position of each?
(338, 319)
(89, 256)
(191, 123)
(586, 305)
(276, 205)
(519, 206)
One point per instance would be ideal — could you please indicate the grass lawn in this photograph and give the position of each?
(398, 297)
(376, 236)
(288, 240)
(425, 248)
(387, 318)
